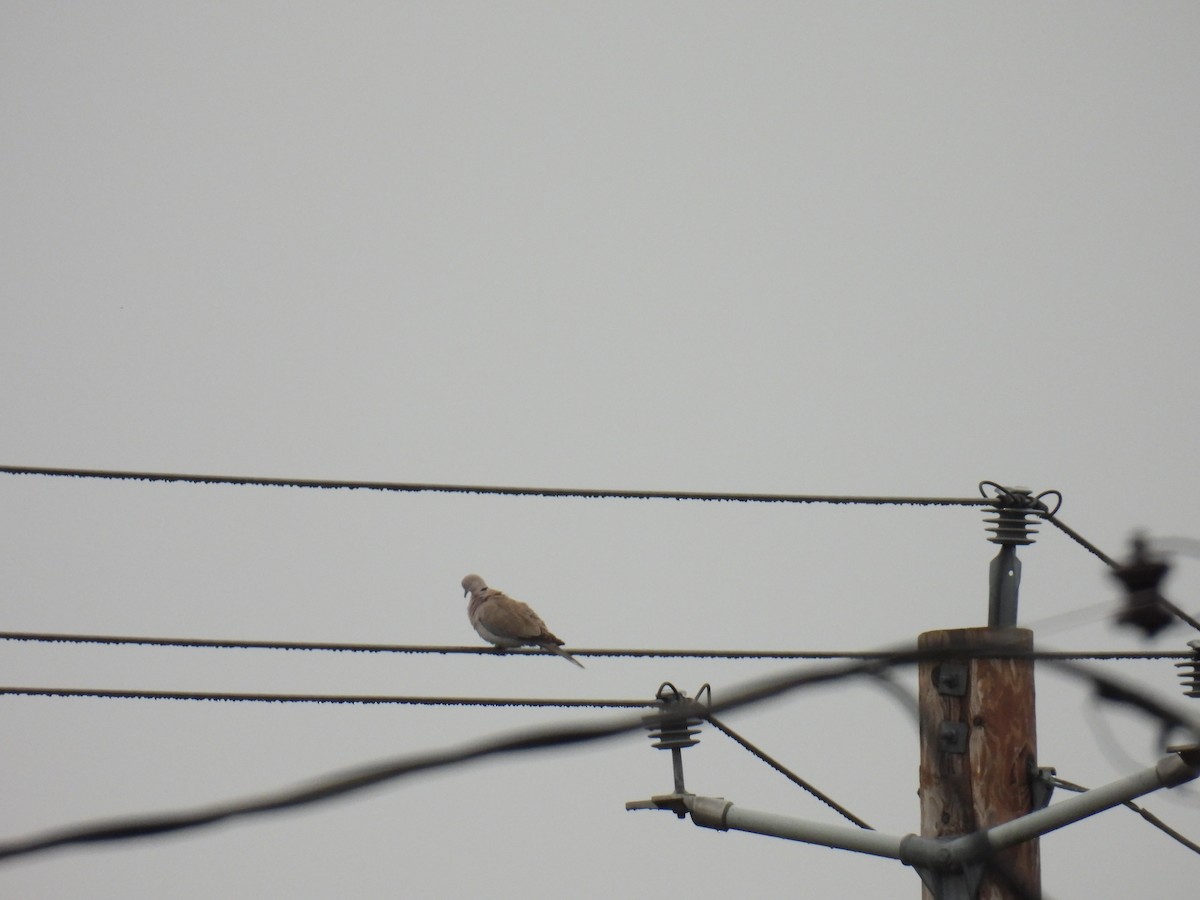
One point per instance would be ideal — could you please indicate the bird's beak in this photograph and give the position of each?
(466, 591)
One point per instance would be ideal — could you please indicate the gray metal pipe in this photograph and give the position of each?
(940, 853)
(718, 813)
(1169, 772)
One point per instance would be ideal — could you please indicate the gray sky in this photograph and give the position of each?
(841, 248)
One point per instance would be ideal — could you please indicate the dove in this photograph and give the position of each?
(506, 622)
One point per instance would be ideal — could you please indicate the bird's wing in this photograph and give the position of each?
(509, 618)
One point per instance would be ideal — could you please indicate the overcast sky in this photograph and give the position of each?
(843, 248)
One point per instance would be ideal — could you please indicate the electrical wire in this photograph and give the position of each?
(353, 699)
(1040, 509)
(1178, 613)
(1079, 539)
(57, 638)
(363, 777)
(1118, 758)
(1056, 623)
(787, 773)
(1140, 810)
(1106, 740)
(906, 698)
(408, 487)
(326, 788)
(368, 776)
(733, 497)
(619, 652)
(1166, 604)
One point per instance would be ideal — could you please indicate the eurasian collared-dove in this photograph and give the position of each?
(506, 622)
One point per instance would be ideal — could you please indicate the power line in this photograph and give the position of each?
(1179, 613)
(1141, 811)
(375, 774)
(1079, 539)
(410, 487)
(369, 776)
(351, 699)
(786, 772)
(590, 493)
(1166, 604)
(735, 497)
(1106, 740)
(220, 644)
(732, 497)
(427, 701)
(332, 786)
(611, 652)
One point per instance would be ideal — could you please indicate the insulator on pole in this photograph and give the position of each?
(1012, 525)
(673, 727)
(1014, 510)
(1189, 671)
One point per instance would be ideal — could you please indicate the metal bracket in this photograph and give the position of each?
(950, 679)
(1041, 784)
(677, 803)
(952, 737)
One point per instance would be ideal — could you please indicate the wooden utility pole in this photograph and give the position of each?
(979, 747)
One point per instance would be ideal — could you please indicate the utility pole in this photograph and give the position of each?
(978, 725)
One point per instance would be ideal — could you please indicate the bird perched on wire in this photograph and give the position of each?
(506, 622)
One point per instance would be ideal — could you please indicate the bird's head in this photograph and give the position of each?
(473, 583)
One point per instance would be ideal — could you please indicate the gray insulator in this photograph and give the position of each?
(1011, 526)
(1189, 671)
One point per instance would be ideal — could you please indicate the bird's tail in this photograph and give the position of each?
(563, 653)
